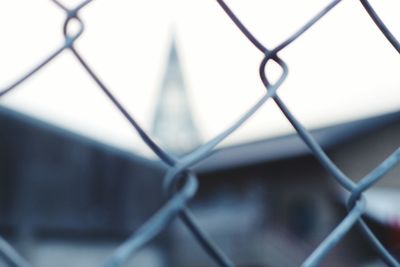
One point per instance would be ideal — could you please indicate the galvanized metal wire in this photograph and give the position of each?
(179, 169)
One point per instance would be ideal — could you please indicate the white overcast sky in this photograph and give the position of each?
(342, 69)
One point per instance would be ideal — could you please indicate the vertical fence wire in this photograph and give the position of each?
(179, 169)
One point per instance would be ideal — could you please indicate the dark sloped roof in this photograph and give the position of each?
(290, 146)
(9, 115)
(267, 150)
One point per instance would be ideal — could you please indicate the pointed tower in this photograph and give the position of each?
(173, 124)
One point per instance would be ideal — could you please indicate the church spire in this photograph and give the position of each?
(173, 124)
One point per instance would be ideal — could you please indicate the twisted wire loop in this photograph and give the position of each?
(180, 181)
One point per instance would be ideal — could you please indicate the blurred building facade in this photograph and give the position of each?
(69, 200)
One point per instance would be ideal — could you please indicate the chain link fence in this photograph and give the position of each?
(180, 181)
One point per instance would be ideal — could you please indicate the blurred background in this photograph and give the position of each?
(76, 180)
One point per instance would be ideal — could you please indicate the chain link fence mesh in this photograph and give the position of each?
(180, 182)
